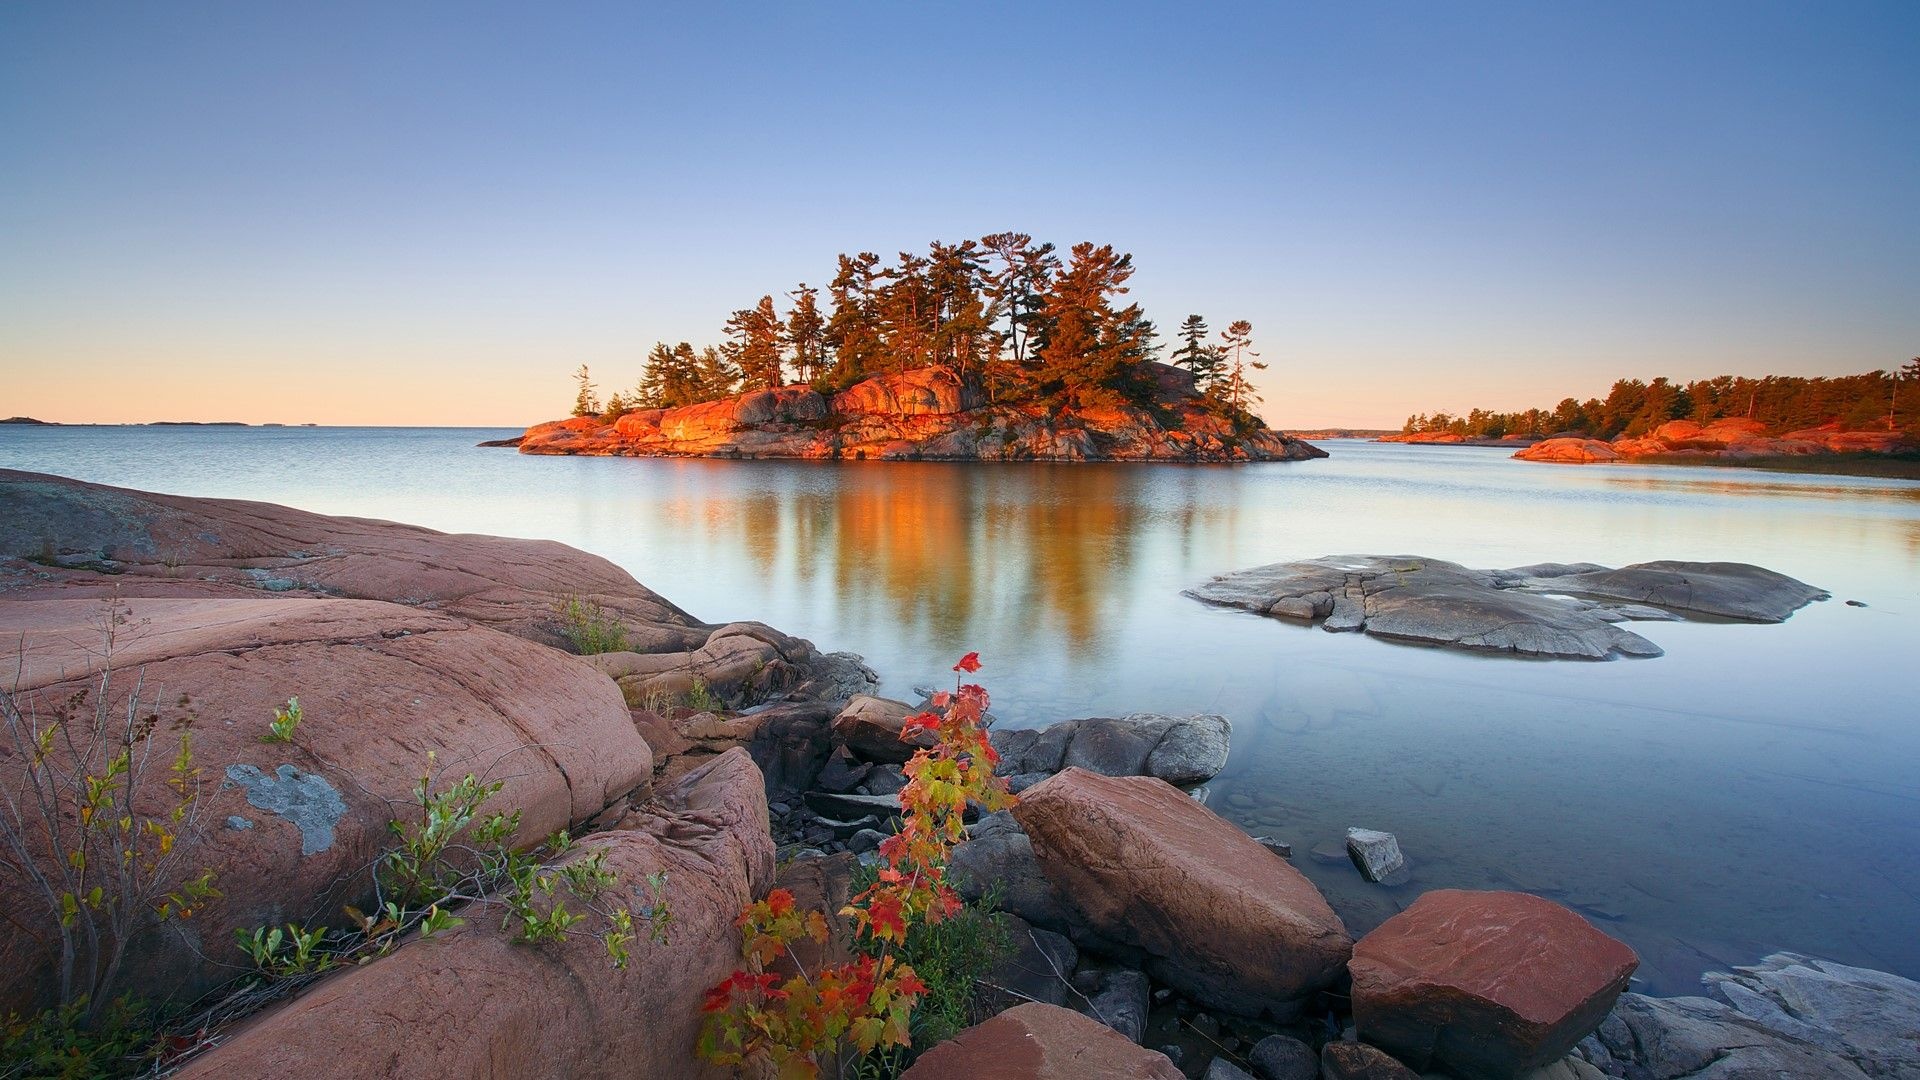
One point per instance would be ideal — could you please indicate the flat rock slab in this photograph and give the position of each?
(1037, 1041)
(1556, 611)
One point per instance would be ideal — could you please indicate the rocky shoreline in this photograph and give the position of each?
(1152, 937)
(923, 415)
(1729, 439)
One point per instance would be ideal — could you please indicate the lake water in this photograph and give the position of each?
(1756, 788)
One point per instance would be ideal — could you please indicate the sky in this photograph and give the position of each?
(420, 213)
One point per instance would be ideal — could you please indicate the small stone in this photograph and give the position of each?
(1174, 1052)
(1358, 1061)
(1278, 847)
(1161, 995)
(238, 822)
(1377, 854)
(1856, 603)
(1283, 1057)
(1121, 1003)
(1206, 1025)
(1222, 1069)
(866, 840)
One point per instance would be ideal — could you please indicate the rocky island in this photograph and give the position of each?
(925, 415)
(997, 349)
(1865, 424)
(705, 767)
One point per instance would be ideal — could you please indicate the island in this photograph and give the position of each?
(997, 349)
(1867, 424)
(28, 420)
(924, 415)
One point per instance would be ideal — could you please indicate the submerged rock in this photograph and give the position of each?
(1550, 610)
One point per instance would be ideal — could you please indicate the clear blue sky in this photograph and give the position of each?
(426, 213)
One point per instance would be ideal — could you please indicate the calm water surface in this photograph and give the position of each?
(1756, 788)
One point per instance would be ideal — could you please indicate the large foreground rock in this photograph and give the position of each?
(1037, 1041)
(1213, 913)
(290, 829)
(1553, 610)
(94, 540)
(471, 1002)
(1485, 985)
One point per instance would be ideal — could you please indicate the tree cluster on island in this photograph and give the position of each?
(1010, 319)
(1875, 401)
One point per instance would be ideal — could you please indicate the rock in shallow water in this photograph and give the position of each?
(1216, 915)
(1550, 610)
(1377, 856)
(1486, 985)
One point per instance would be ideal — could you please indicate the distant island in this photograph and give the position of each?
(993, 349)
(1866, 423)
(28, 420)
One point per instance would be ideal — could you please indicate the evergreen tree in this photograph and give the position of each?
(587, 401)
(907, 315)
(1236, 345)
(1090, 353)
(715, 374)
(806, 334)
(754, 345)
(1197, 354)
(853, 330)
(1014, 291)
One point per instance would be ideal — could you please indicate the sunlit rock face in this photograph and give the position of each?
(1730, 437)
(922, 415)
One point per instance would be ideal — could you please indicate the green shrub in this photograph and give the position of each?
(66, 1044)
(589, 628)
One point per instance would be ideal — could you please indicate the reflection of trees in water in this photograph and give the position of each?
(1029, 557)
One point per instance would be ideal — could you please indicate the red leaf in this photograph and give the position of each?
(969, 663)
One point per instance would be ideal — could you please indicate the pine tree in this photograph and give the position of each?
(1197, 354)
(754, 346)
(1090, 353)
(587, 401)
(1236, 344)
(806, 333)
(715, 374)
(853, 331)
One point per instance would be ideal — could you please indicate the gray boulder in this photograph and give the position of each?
(1871, 1018)
(1120, 1002)
(1283, 1057)
(1695, 1038)
(1181, 750)
(998, 855)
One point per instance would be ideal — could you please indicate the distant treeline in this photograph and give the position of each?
(1878, 400)
(1009, 318)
